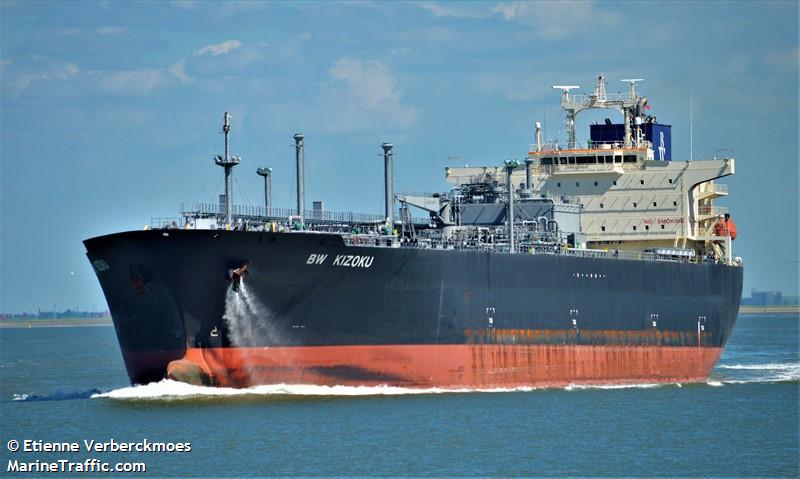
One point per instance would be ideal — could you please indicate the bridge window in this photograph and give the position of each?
(647, 228)
(595, 183)
(601, 206)
(615, 182)
(571, 160)
(558, 185)
(641, 182)
(629, 158)
(654, 204)
(634, 204)
(670, 181)
(602, 228)
(547, 161)
(662, 227)
(634, 228)
(674, 203)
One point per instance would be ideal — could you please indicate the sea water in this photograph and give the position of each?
(69, 385)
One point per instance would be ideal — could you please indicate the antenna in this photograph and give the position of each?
(565, 90)
(632, 82)
(691, 127)
(600, 89)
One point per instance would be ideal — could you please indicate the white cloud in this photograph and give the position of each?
(231, 56)
(399, 52)
(512, 87)
(218, 49)
(110, 30)
(45, 70)
(178, 70)
(444, 9)
(364, 94)
(553, 20)
(236, 7)
(134, 82)
(185, 4)
(4, 64)
(290, 48)
(787, 59)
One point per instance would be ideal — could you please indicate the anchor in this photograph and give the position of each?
(236, 276)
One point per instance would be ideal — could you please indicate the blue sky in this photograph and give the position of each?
(111, 111)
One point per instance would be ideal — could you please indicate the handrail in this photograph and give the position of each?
(712, 210)
(260, 213)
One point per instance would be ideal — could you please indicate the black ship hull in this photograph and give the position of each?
(313, 310)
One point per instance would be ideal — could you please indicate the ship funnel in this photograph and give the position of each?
(299, 155)
(267, 174)
(388, 183)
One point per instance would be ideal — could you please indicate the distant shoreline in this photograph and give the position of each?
(53, 323)
(769, 310)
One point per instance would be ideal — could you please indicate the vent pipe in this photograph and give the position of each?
(528, 185)
(510, 166)
(388, 183)
(267, 174)
(298, 145)
(538, 136)
(227, 162)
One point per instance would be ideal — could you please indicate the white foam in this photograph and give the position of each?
(20, 397)
(760, 373)
(169, 389)
(578, 387)
(766, 366)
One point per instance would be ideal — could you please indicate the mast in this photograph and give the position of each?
(300, 159)
(629, 105)
(227, 162)
(388, 184)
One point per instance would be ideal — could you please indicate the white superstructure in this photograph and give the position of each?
(630, 198)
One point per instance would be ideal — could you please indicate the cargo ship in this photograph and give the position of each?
(602, 261)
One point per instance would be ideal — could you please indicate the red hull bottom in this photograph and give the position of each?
(445, 366)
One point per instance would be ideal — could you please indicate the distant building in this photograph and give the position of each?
(763, 298)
